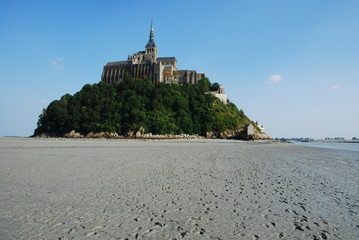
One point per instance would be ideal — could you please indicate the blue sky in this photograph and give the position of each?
(291, 65)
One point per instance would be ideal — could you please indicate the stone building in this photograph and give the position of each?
(147, 64)
(220, 94)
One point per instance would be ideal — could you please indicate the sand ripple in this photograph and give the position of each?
(198, 189)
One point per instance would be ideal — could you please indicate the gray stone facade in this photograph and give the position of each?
(146, 64)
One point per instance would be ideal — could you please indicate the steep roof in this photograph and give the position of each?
(162, 59)
(117, 63)
(150, 43)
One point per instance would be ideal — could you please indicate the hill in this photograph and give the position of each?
(135, 104)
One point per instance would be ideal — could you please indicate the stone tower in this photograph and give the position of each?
(151, 49)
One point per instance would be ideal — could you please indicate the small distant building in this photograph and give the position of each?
(339, 138)
(334, 139)
(261, 127)
(250, 130)
(220, 94)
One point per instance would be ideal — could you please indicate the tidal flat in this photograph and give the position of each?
(178, 189)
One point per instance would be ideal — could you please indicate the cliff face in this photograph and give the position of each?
(137, 106)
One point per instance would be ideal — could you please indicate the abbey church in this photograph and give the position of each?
(146, 64)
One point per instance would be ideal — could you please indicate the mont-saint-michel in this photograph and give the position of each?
(147, 96)
(147, 64)
(98, 169)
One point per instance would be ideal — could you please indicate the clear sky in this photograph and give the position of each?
(291, 65)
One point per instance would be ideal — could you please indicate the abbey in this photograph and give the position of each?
(146, 64)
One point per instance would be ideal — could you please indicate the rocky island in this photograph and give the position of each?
(146, 96)
(139, 108)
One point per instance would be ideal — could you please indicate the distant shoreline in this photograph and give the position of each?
(336, 141)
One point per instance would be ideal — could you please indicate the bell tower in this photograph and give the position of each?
(151, 49)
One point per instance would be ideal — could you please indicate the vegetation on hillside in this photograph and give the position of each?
(137, 103)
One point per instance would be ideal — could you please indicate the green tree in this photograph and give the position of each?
(135, 103)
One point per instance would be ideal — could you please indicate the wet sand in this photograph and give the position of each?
(192, 189)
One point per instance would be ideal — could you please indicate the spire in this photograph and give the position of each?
(151, 41)
(151, 31)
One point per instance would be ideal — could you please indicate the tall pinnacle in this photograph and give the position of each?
(151, 41)
(151, 31)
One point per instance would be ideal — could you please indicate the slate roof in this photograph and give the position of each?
(150, 43)
(169, 59)
(118, 63)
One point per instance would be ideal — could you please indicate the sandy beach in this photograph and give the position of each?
(183, 189)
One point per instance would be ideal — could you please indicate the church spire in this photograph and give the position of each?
(151, 49)
(151, 31)
(151, 41)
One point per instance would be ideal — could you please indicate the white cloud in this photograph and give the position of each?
(57, 63)
(336, 86)
(273, 79)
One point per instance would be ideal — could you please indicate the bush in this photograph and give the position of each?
(136, 103)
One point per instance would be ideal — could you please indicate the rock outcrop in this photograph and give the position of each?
(249, 132)
(102, 135)
(73, 134)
